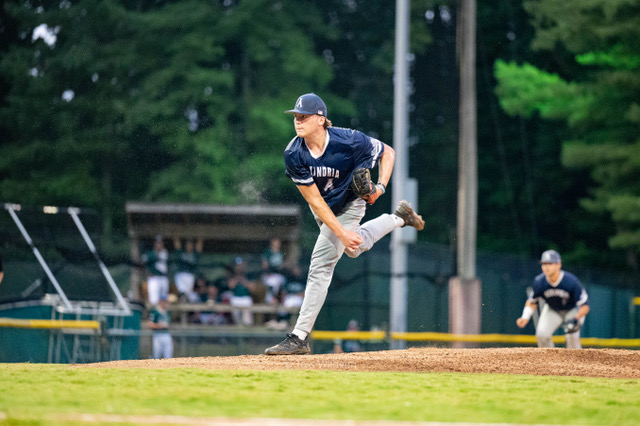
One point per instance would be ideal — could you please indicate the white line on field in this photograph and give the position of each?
(217, 421)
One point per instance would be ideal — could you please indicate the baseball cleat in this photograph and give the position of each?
(292, 345)
(410, 217)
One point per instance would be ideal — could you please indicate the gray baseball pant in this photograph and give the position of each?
(162, 345)
(328, 250)
(549, 322)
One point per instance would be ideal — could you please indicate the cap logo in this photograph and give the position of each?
(308, 103)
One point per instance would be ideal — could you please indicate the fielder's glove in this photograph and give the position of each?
(571, 326)
(362, 185)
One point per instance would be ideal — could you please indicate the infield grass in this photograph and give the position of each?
(43, 394)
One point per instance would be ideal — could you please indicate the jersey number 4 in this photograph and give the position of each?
(328, 186)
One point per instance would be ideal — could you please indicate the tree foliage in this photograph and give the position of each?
(104, 101)
(595, 93)
(110, 100)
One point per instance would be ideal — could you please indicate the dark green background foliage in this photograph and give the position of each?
(182, 101)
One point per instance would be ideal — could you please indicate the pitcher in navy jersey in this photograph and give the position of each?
(320, 160)
(565, 300)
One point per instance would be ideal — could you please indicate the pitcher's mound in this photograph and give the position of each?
(614, 363)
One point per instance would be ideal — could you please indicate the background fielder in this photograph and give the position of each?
(566, 303)
(321, 161)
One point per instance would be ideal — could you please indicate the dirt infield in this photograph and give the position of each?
(612, 363)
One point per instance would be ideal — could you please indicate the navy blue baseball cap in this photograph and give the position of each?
(310, 104)
(550, 256)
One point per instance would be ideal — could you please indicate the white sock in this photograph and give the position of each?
(399, 221)
(300, 334)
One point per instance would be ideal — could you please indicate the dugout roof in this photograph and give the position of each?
(224, 228)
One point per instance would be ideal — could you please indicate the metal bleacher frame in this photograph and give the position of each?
(89, 324)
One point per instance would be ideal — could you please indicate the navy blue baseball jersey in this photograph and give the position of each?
(568, 294)
(345, 151)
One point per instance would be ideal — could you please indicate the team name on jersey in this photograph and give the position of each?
(324, 172)
(556, 292)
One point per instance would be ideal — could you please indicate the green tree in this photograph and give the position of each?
(241, 66)
(120, 100)
(72, 75)
(595, 90)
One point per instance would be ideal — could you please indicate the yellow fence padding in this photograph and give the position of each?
(49, 324)
(475, 338)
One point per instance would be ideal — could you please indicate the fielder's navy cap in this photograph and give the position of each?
(310, 104)
(550, 256)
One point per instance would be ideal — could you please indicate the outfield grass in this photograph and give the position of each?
(39, 393)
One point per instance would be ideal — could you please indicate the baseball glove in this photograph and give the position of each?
(362, 185)
(571, 326)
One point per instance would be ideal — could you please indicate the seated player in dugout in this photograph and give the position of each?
(566, 303)
(330, 167)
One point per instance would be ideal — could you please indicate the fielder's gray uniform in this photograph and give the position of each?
(562, 301)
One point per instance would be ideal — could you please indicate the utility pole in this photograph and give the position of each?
(465, 288)
(399, 238)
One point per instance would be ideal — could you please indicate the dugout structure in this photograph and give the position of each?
(59, 302)
(225, 229)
